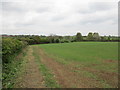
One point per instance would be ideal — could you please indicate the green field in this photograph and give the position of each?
(97, 60)
(84, 51)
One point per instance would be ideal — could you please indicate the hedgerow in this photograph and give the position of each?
(10, 47)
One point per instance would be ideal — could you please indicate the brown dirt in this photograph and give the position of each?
(31, 77)
(110, 61)
(64, 74)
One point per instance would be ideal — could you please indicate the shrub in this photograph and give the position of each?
(10, 47)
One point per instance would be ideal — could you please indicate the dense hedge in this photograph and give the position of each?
(10, 47)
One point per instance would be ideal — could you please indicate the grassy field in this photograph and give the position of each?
(97, 60)
(84, 51)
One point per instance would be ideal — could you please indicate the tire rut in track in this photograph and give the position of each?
(31, 77)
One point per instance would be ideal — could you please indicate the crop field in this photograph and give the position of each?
(69, 65)
(94, 61)
(84, 51)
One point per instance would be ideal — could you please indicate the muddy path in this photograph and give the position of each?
(31, 78)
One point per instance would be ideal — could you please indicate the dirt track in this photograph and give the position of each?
(31, 77)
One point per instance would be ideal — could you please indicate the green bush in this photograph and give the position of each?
(10, 47)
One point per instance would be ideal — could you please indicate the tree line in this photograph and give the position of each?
(12, 44)
(96, 37)
(36, 39)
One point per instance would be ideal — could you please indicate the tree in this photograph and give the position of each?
(79, 37)
(102, 38)
(90, 36)
(96, 37)
(52, 40)
(109, 38)
(37, 39)
(57, 41)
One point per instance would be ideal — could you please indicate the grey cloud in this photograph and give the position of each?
(85, 11)
(11, 7)
(99, 20)
(96, 7)
(42, 9)
(24, 24)
(57, 18)
(53, 17)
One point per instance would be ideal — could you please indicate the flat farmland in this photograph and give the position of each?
(71, 65)
(96, 62)
(84, 51)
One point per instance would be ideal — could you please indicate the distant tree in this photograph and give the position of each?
(79, 37)
(96, 37)
(44, 40)
(114, 38)
(60, 37)
(90, 36)
(37, 39)
(52, 40)
(109, 38)
(57, 41)
(102, 38)
(105, 38)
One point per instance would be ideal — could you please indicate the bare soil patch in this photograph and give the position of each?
(110, 61)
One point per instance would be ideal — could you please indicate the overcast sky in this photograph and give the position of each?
(61, 17)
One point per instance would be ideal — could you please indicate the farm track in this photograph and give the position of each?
(63, 74)
(32, 77)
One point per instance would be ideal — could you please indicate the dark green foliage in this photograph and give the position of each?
(12, 70)
(52, 40)
(57, 41)
(66, 41)
(44, 41)
(10, 47)
(79, 37)
(37, 40)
